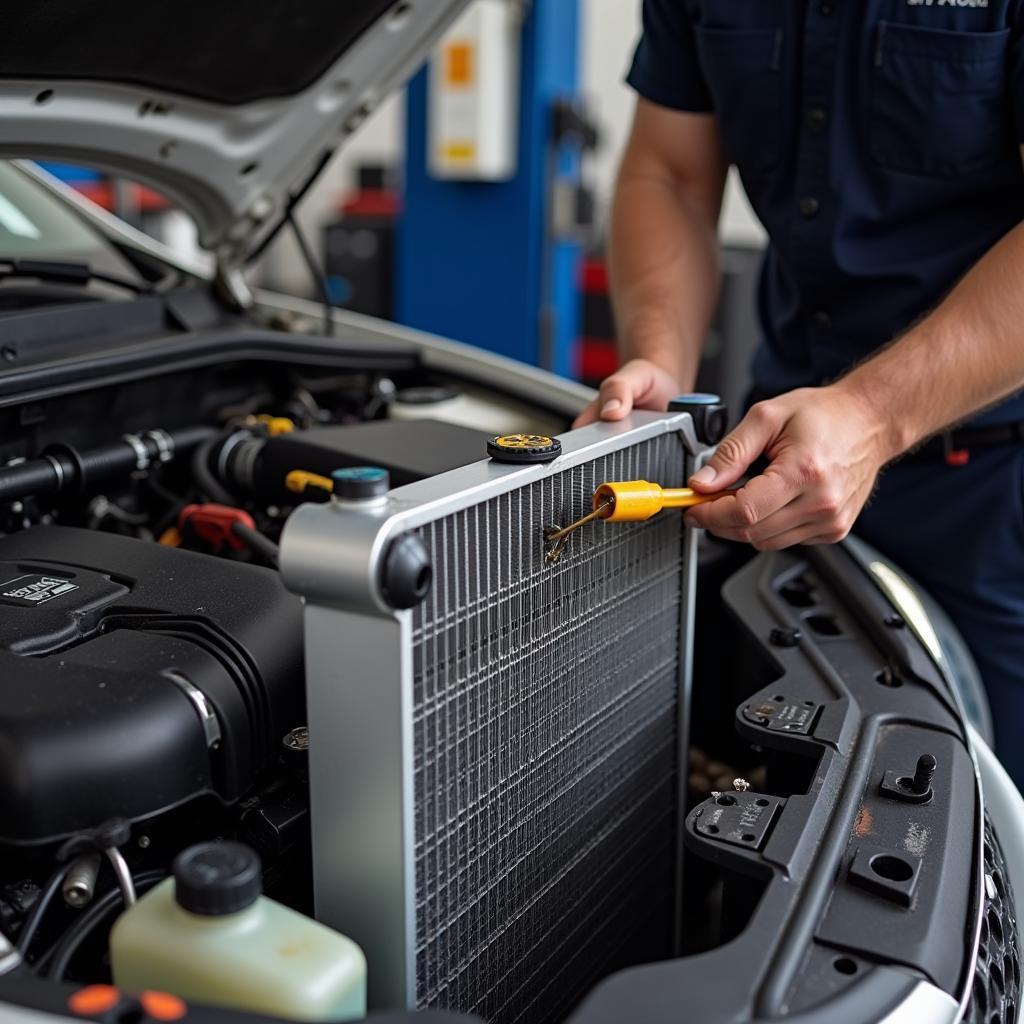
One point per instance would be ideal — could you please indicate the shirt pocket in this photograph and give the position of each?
(940, 104)
(742, 71)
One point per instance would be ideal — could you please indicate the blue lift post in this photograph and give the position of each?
(482, 262)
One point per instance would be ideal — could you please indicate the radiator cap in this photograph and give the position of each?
(360, 483)
(524, 448)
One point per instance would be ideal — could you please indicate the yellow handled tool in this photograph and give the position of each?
(633, 501)
(629, 501)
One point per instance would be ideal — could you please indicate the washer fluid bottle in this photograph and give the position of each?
(208, 936)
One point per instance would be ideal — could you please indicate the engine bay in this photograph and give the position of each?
(155, 672)
(153, 659)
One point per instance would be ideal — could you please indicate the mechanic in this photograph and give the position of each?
(879, 142)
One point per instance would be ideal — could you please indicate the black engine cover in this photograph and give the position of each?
(104, 641)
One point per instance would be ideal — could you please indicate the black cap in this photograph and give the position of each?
(524, 448)
(358, 483)
(217, 878)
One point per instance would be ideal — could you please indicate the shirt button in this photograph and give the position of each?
(809, 207)
(817, 118)
(826, 8)
(822, 320)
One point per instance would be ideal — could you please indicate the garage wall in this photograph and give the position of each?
(609, 31)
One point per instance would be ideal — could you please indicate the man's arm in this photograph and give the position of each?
(827, 445)
(663, 257)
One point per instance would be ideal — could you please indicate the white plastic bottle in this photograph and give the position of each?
(209, 936)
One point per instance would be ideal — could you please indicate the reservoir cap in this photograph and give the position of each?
(524, 448)
(361, 483)
(217, 878)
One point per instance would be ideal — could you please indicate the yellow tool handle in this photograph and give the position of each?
(633, 501)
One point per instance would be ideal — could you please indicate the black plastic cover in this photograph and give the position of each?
(852, 895)
(107, 645)
(409, 450)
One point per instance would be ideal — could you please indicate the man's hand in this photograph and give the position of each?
(825, 447)
(640, 384)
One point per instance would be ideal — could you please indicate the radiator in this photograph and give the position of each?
(494, 773)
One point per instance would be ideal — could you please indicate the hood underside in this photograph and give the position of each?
(230, 110)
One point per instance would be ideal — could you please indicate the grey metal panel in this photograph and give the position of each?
(360, 785)
(510, 749)
(194, 151)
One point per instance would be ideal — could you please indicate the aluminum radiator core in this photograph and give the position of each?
(499, 766)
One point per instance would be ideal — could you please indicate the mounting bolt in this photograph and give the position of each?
(297, 739)
(785, 637)
(926, 765)
(895, 621)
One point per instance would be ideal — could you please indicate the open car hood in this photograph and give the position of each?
(230, 110)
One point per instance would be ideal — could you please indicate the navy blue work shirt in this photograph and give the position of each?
(878, 142)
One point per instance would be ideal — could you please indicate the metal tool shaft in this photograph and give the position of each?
(598, 513)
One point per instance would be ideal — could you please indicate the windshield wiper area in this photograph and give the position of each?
(66, 272)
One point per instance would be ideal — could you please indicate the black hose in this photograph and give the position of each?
(61, 954)
(257, 542)
(31, 926)
(209, 486)
(63, 468)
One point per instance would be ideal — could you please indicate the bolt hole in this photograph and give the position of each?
(798, 593)
(824, 625)
(725, 800)
(399, 16)
(778, 698)
(892, 868)
(808, 703)
(844, 965)
(249, 168)
(761, 802)
(888, 678)
(748, 837)
(713, 829)
(44, 97)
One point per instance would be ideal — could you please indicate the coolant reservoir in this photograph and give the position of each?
(209, 936)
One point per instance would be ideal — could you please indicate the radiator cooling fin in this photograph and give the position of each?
(545, 706)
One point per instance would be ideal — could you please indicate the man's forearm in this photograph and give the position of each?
(664, 268)
(966, 355)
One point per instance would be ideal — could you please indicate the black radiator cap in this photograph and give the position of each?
(524, 448)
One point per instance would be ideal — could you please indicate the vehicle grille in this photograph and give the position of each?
(545, 725)
(995, 995)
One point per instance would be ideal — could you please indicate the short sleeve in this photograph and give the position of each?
(666, 69)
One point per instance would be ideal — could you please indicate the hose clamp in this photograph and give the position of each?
(138, 446)
(164, 444)
(58, 469)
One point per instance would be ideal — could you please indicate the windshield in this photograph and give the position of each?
(34, 224)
